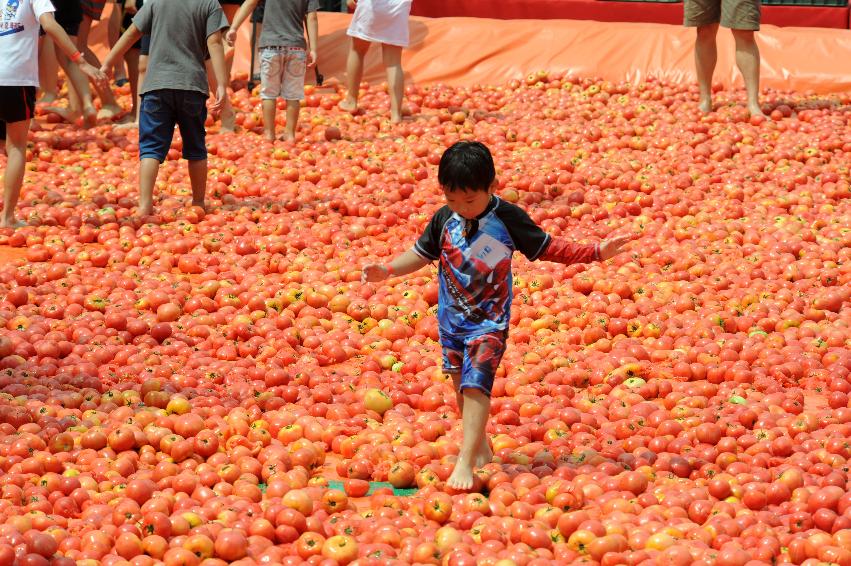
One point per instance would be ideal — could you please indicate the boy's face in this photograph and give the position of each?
(468, 203)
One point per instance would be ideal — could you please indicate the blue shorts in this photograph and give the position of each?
(476, 358)
(161, 110)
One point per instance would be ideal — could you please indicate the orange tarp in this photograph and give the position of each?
(468, 51)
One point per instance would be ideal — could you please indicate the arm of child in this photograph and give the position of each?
(130, 7)
(217, 58)
(312, 28)
(408, 262)
(564, 251)
(240, 17)
(63, 42)
(125, 42)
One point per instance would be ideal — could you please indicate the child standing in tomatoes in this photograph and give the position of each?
(473, 238)
(284, 56)
(175, 90)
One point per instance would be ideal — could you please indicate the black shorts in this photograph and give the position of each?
(69, 15)
(17, 103)
(127, 19)
(257, 14)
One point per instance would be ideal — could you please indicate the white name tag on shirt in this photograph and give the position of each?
(488, 250)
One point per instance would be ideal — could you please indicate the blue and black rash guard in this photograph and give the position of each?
(475, 284)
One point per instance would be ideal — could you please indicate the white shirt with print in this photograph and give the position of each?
(19, 40)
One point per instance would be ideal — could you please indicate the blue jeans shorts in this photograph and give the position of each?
(476, 358)
(161, 110)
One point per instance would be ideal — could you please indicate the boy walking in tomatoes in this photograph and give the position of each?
(175, 89)
(284, 56)
(473, 237)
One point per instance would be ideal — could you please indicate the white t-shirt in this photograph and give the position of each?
(19, 40)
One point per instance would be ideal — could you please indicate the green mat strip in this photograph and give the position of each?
(376, 485)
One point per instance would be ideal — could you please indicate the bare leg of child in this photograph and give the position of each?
(475, 417)
(354, 74)
(293, 108)
(392, 56)
(132, 60)
(48, 70)
(79, 94)
(16, 151)
(149, 168)
(269, 113)
(198, 179)
(485, 454)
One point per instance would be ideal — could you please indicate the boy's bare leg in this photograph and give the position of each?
(475, 418)
(48, 70)
(354, 74)
(228, 115)
(149, 168)
(132, 60)
(747, 59)
(109, 107)
(392, 55)
(13, 178)
(79, 95)
(459, 397)
(705, 57)
(269, 113)
(485, 454)
(293, 108)
(113, 33)
(198, 179)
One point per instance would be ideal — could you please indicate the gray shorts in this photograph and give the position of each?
(732, 14)
(282, 73)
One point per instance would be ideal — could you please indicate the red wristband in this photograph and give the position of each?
(389, 269)
(76, 57)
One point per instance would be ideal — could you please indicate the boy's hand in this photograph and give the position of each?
(130, 7)
(611, 248)
(97, 75)
(230, 36)
(219, 103)
(374, 273)
(352, 4)
(311, 59)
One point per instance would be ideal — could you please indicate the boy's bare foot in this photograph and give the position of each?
(109, 112)
(484, 456)
(270, 136)
(12, 223)
(126, 124)
(286, 137)
(705, 105)
(462, 475)
(47, 99)
(348, 105)
(66, 114)
(200, 204)
(90, 117)
(755, 110)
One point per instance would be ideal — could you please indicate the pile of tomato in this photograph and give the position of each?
(181, 389)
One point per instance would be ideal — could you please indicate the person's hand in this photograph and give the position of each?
(99, 76)
(219, 102)
(311, 59)
(612, 247)
(374, 273)
(352, 4)
(230, 37)
(130, 7)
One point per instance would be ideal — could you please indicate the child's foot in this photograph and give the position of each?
(109, 112)
(90, 117)
(348, 105)
(705, 105)
(755, 110)
(287, 137)
(484, 456)
(126, 123)
(200, 204)
(12, 223)
(47, 99)
(66, 114)
(228, 121)
(462, 475)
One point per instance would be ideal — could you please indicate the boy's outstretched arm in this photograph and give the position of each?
(128, 38)
(564, 251)
(241, 15)
(312, 29)
(404, 264)
(220, 70)
(64, 43)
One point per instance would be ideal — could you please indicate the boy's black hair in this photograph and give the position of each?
(466, 165)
